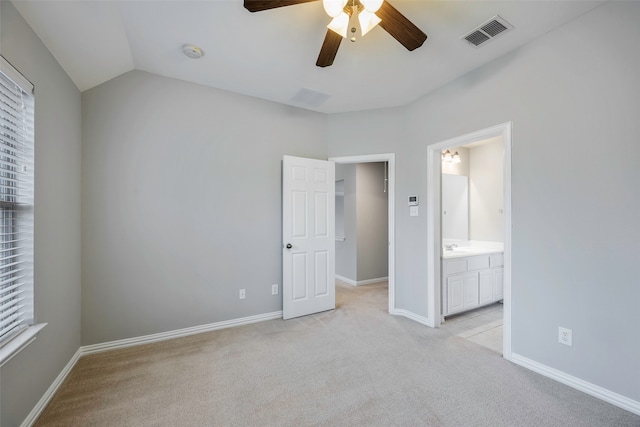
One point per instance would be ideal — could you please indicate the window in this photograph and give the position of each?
(16, 206)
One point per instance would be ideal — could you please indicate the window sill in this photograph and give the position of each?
(18, 343)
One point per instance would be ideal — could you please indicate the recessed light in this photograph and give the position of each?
(193, 52)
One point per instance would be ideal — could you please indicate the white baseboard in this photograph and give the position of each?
(410, 315)
(113, 345)
(370, 281)
(347, 281)
(162, 336)
(44, 400)
(361, 282)
(579, 384)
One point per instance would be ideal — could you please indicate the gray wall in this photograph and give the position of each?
(181, 203)
(566, 98)
(372, 222)
(57, 220)
(486, 192)
(347, 251)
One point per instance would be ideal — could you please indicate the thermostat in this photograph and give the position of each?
(413, 200)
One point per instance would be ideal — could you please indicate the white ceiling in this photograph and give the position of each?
(272, 54)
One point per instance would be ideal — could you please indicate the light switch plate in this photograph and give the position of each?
(413, 211)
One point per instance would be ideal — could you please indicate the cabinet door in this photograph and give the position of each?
(470, 290)
(455, 292)
(498, 284)
(486, 287)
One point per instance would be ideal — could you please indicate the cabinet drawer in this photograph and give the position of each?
(496, 260)
(455, 266)
(477, 262)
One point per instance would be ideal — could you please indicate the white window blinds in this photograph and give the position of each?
(16, 202)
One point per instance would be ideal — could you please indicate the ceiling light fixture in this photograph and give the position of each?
(344, 13)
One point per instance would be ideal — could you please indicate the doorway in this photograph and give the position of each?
(434, 224)
(389, 158)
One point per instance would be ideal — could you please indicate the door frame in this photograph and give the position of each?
(434, 235)
(390, 158)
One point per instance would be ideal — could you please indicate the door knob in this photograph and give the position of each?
(289, 246)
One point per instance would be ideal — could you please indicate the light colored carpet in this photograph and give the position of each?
(355, 366)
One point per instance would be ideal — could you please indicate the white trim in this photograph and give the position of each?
(17, 344)
(412, 316)
(361, 282)
(346, 280)
(586, 387)
(390, 158)
(15, 75)
(51, 391)
(371, 281)
(433, 220)
(163, 336)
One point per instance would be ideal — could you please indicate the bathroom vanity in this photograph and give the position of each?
(471, 277)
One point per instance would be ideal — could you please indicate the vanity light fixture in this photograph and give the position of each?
(451, 158)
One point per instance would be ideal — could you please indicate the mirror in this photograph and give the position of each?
(455, 207)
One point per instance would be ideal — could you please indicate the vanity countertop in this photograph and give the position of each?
(463, 251)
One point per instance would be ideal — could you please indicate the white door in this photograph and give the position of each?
(308, 236)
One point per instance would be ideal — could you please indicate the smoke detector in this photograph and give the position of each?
(191, 51)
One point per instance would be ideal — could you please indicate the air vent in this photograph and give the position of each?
(487, 31)
(310, 98)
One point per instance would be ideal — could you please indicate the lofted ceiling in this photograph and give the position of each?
(272, 54)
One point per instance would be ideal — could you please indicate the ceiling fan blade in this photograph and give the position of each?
(260, 5)
(400, 28)
(329, 49)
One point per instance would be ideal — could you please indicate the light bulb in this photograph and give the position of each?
(456, 157)
(447, 156)
(371, 5)
(334, 7)
(368, 21)
(340, 24)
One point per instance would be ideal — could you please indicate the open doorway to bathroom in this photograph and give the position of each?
(469, 236)
(472, 241)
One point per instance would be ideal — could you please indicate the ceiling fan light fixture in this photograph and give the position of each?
(371, 5)
(368, 21)
(334, 7)
(340, 24)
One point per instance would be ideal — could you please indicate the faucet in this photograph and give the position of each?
(450, 247)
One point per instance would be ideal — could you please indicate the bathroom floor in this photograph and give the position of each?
(482, 326)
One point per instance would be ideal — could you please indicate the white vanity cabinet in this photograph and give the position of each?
(471, 281)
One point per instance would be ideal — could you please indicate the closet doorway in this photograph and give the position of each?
(389, 160)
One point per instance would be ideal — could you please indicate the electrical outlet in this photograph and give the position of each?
(564, 336)
(274, 289)
(242, 294)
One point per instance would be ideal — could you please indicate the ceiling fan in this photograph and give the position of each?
(344, 13)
